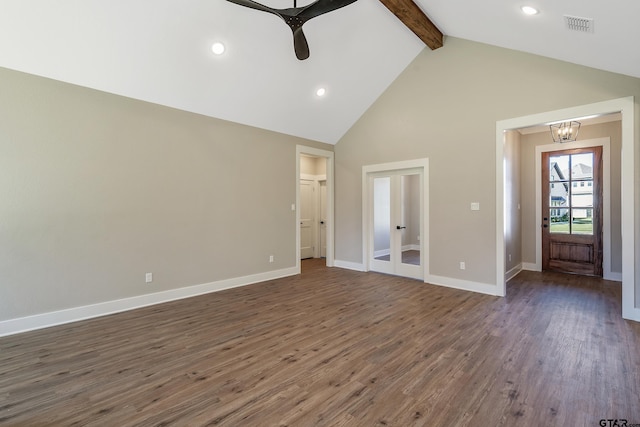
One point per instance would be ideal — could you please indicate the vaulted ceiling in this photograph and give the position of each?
(160, 51)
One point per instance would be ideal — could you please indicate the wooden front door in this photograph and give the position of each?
(572, 211)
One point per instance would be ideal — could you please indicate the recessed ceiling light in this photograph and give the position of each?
(528, 10)
(321, 92)
(217, 48)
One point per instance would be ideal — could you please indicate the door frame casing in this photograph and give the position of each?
(329, 156)
(630, 148)
(605, 143)
(367, 220)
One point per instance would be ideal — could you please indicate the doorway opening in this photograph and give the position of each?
(314, 205)
(507, 215)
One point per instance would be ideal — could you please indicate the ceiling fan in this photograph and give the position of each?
(296, 16)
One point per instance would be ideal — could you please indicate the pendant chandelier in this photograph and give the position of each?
(565, 131)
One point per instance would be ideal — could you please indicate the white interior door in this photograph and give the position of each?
(307, 219)
(396, 223)
(323, 219)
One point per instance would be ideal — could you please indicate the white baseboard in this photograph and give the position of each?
(464, 285)
(610, 275)
(349, 265)
(633, 314)
(45, 320)
(530, 266)
(513, 272)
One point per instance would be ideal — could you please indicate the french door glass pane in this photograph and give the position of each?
(382, 218)
(410, 218)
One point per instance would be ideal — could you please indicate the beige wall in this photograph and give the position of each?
(97, 189)
(612, 130)
(444, 106)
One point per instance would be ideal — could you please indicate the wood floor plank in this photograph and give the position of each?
(332, 347)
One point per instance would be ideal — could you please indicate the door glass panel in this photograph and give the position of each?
(382, 218)
(571, 187)
(582, 194)
(558, 168)
(582, 166)
(558, 194)
(410, 218)
(559, 220)
(582, 221)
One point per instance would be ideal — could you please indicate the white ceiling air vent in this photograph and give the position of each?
(576, 23)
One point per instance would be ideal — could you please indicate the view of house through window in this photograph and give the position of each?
(571, 193)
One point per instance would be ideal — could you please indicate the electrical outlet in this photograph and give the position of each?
(462, 265)
(509, 257)
(270, 258)
(148, 278)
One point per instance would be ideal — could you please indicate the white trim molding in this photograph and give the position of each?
(513, 272)
(54, 318)
(465, 285)
(348, 265)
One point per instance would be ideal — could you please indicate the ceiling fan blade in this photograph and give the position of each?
(300, 44)
(254, 5)
(320, 7)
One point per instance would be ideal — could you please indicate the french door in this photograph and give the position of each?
(572, 211)
(396, 226)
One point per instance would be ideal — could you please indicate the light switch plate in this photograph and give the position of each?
(475, 206)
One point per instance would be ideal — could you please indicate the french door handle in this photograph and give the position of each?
(399, 227)
(545, 225)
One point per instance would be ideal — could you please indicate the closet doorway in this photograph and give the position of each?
(314, 205)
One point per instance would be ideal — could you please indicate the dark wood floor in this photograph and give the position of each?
(337, 347)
